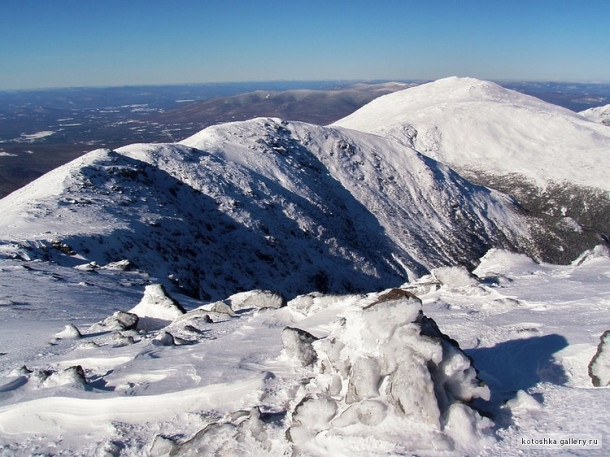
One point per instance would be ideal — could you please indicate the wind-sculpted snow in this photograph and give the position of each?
(262, 204)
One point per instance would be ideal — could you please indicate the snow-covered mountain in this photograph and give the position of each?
(98, 358)
(548, 158)
(291, 207)
(479, 125)
(600, 114)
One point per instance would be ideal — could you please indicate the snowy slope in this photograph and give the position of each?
(600, 114)
(479, 126)
(262, 204)
(362, 381)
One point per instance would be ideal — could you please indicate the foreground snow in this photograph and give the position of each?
(325, 375)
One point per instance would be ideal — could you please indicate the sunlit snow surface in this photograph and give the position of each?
(531, 329)
(480, 126)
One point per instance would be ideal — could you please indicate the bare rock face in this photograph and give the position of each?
(599, 368)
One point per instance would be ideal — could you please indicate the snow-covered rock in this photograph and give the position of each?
(256, 299)
(599, 368)
(70, 331)
(120, 320)
(383, 362)
(156, 309)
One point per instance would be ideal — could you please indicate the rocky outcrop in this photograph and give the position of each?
(599, 368)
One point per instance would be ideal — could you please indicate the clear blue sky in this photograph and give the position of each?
(61, 43)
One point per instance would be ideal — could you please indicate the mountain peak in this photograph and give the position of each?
(471, 124)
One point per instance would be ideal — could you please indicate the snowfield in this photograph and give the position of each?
(365, 374)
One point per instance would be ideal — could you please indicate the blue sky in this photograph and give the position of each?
(63, 43)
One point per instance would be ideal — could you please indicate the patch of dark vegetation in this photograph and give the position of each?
(565, 219)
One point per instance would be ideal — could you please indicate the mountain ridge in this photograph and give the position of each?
(265, 203)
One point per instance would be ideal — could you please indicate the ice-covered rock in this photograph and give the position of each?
(297, 345)
(256, 299)
(218, 307)
(386, 361)
(243, 433)
(601, 250)
(91, 266)
(74, 376)
(162, 446)
(156, 309)
(121, 265)
(599, 368)
(120, 340)
(164, 339)
(454, 277)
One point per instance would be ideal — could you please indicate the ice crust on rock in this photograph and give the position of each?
(298, 345)
(455, 276)
(156, 309)
(74, 376)
(386, 361)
